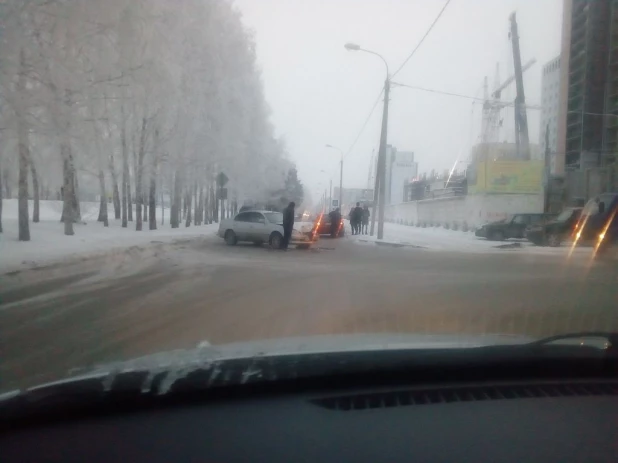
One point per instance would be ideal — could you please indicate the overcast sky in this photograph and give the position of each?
(321, 94)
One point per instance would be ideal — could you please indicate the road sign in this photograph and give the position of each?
(222, 179)
(335, 203)
(222, 193)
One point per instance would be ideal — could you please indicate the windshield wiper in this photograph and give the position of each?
(585, 338)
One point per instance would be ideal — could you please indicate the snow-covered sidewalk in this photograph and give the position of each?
(49, 244)
(440, 239)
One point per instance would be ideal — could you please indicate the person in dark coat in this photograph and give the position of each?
(335, 220)
(288, 224)
(351, 219)
(365, 223)
(357, 213)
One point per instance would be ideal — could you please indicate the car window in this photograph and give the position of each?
(274, 217)
(607, 199)
(533, 219)
(255, 217)
(564, 215)
(520, 219)
(243, 217)
(592, 208)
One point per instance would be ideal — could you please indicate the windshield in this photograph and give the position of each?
(564, 215)
(274, 217)
(144, 142)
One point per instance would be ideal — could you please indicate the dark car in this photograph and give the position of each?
(555, 231)
(322, 222)
(511, 227)
(598, 224)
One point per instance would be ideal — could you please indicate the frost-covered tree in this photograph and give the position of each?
(147, 99)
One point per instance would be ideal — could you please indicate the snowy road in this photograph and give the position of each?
(166, 296)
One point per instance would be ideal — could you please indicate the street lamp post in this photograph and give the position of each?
(380, 184)
(340, 176)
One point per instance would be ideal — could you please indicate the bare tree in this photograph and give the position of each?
(24, 155)
(139, 195)
(35, 191)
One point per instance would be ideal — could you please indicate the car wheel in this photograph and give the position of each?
(553, 240)
(497, 236)
(230, 238)
(276, 240)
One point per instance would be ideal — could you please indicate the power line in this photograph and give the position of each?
(439, 91)
(424, 37)
(373, 108)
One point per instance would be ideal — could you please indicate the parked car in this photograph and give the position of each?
(555, 231)
(322, 226)
(511, 227)
(598, 224)
(264, 227)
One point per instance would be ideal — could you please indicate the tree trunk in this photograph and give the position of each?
(22, 186)
(162, 208)
(67, 200)
(1, 185)
(188, 198)
(125, 171)
(200, 207)
(77, 213)
(129, 197)
(152, 192)
(175, 211)
(115, 192)
(215, 209)
(103, 203)
(152, 201)
(196, 206)
(35, 191)
(7, 184)
(139, 193)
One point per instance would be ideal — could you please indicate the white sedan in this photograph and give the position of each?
(264, 227)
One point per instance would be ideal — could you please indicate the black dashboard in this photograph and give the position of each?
(550, 421)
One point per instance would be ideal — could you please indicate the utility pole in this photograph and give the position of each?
(341, 184)
(522, 140)
(380, 186)
(330, 195)
(546, 171)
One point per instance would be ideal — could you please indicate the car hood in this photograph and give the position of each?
(497, 222)
(171, 366)
(303, 227)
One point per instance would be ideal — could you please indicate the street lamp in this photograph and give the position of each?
(380, 184)
(340, 176)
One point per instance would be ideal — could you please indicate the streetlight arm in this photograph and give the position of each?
(379, 56)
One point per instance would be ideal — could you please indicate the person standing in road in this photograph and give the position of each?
(335, 220)
(365, 225)
(357, 212)
(288, 225)
(352, 223)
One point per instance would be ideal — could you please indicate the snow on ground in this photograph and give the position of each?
(440, 239)
(49, 244)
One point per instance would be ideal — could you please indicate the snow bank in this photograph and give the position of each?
(441, 239)
(48, 243)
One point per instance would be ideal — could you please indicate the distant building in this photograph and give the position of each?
(400, 169)
(550, 97)
(589, 84)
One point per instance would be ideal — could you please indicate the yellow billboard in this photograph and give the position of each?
(506, 176)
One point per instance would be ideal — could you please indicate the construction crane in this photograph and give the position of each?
(493, 105)
(522, 140)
